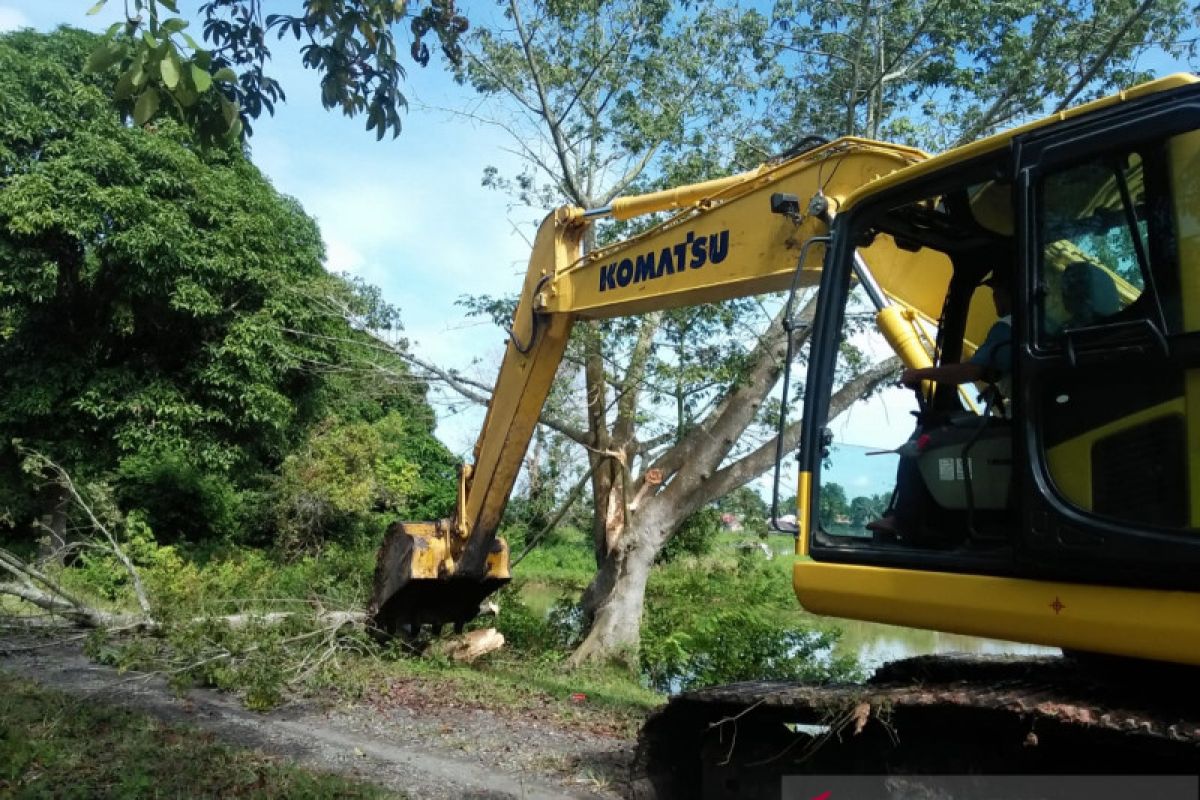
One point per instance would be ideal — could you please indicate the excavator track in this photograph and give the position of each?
(935, 715)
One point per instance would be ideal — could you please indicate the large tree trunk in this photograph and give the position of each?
(696, 470)
(54, 536)
(613, 601)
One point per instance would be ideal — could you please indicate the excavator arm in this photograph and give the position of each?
(727, 238)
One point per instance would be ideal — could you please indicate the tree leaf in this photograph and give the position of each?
(170, 5)
(146, 106)
(201, 79)
(225, 75)
(229, 110)
(95, 9)
(170, 71)
(174, 25)
(125, 88)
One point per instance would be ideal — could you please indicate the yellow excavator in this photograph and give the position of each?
(1065, 514)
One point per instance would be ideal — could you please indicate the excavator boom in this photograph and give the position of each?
(722, 241)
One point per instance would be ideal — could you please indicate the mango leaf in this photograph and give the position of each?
(229, 110)
(97, 7)
(146, 106)
(185, 96)
(174, 24)
(170, 71)
(170, 5)
(201, 79)
(225, 74)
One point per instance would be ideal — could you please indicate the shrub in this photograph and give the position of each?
(180, 500)
(529, 633)
(734, 620)
(696, 536)
(343, 472)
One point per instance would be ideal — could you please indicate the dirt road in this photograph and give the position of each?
(424, 752)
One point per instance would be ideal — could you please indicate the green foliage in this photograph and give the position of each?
(180, 501)
(217, 89)
(343, 471)
(732, 621)
(524, 630)
(565, 558)
(937, 74)
(736, 645)
(750, 508)
(168, 325)
(695, 536)
(184, 583)
(832, 505)
(836, 510)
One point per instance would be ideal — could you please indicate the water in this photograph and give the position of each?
(875, 644)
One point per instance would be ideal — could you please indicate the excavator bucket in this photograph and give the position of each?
(416, 584)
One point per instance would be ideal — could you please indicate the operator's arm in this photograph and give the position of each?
(965, 372)
(993, 356)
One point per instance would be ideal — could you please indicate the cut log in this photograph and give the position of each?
(470, 646)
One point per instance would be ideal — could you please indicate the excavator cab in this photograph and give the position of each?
(1074, 520)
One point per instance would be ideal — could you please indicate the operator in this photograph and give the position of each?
(993, 360)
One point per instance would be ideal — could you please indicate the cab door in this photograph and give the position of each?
(1109, 372)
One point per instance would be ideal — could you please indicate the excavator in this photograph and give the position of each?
(1065, 513)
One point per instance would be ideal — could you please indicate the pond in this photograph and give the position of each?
(875, 644)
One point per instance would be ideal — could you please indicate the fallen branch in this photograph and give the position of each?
(39, 462)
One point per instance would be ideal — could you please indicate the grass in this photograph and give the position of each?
(56, 746)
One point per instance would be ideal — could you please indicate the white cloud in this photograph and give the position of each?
(11, 19)
(341, 256)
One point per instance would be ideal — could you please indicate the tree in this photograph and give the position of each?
(218, 90)
(862, 511)
(936, 74)
(750, 508)
(167, 323)
(833, 503)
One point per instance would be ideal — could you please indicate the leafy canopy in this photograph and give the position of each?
(936, 74)
(218, 87)
(166, 317)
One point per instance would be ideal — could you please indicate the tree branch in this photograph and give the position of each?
(1105, 54)
(762, 459)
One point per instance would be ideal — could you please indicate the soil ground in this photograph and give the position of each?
(400, 740)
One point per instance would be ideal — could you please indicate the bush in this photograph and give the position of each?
(343, 472)
(734, 620)
(531, 634)
(180, 500)
(697, 535)
(731, 646)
